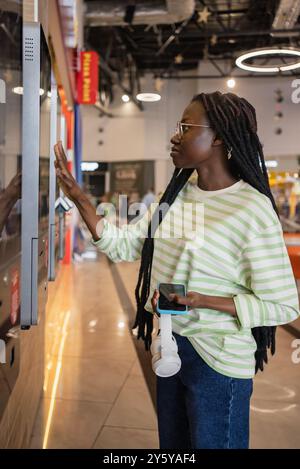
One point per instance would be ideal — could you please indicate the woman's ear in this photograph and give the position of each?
(217, 141)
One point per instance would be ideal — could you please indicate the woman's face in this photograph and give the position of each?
(195, 145)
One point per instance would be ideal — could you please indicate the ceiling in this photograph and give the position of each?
(166, 50)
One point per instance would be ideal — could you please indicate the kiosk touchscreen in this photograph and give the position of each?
(35, 173)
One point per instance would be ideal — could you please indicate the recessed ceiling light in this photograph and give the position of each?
(231, 83)
(271, 163)
(271, 51)
(148, 97)
(18, 90)
(89, 166)
(125, 98)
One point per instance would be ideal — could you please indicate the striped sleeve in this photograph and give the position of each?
(266, 271)
(123, 243)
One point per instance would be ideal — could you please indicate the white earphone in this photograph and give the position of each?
(165, 359)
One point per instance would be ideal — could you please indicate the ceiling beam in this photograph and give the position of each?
(197, 77)
(222, 73)
(173, 36)
(114, 76)
(233, 33)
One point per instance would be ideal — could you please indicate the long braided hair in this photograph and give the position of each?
(234, 121)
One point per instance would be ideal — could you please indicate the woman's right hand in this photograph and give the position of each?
(74, 192)
(65, 179)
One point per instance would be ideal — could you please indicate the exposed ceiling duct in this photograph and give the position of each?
(113, 12)
(287, 14)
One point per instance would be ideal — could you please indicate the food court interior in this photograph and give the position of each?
(112, 79)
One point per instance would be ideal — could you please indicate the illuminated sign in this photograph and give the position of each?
(87, 80)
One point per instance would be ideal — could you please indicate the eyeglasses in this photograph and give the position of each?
(182, 127)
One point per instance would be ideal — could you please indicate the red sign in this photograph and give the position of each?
(88, 77)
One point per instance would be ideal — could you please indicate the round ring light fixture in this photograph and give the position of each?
(148, 97)
(240, 61)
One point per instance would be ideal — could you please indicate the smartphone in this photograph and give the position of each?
(165, 305)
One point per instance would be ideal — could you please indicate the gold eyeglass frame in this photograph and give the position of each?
(179, 125)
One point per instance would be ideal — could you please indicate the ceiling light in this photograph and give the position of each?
(285, 68)
(148, 97)
(271, 163)
(18, 90)
(271, 51)
(93, 323)
(125, 98)
(231, 83)
(89, 166)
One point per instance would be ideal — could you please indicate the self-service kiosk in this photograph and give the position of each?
(35, 173)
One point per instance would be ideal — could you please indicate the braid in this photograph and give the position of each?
(144, 319)
(234, 120)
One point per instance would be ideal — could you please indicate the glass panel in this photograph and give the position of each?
(10, 193)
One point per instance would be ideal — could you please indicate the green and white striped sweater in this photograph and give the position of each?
(242, 256)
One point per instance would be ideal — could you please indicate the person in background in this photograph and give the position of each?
(114, 199)
(286, 208)
(104, 206)
(297, 211)
(133, 213)
(149, 197)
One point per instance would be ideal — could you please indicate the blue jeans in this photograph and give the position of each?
(201, 408)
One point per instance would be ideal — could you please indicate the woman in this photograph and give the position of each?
(239, 282)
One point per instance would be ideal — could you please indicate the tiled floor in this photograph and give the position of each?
(95, 392)
(275, 407)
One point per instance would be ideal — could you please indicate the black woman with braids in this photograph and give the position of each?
(239, 281)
